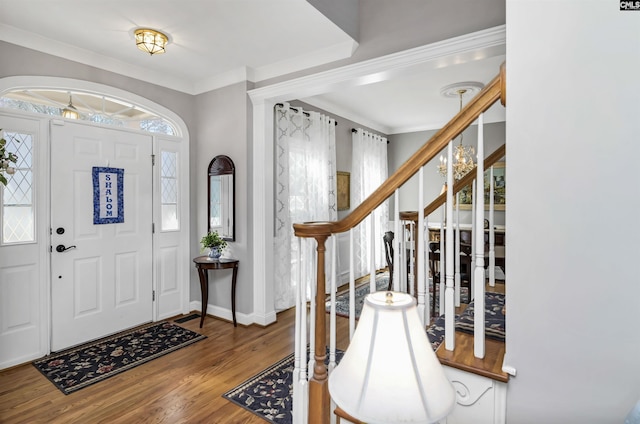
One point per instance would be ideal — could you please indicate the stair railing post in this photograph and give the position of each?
(319, 398)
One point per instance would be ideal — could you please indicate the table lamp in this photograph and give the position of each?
(390, 373)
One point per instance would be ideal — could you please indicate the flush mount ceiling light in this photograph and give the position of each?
(150, 41)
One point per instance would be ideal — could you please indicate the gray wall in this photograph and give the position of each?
(20, 61)
(403, 146)
(391, 26)
(223, 130)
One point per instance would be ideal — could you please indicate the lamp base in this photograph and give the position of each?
(346, 417)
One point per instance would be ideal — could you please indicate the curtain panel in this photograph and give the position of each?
(305, 191)
(368, 172)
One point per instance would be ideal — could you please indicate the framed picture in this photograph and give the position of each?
(344, 191)
(499, 185)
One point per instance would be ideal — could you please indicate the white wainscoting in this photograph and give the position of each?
(479, 400)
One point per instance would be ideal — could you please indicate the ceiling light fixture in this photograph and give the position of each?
(150, 41)
(70, 112)
(463, 156)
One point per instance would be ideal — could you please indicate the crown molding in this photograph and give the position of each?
(468, 47)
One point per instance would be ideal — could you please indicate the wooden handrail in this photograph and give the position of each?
(469, 113)
(457, 186)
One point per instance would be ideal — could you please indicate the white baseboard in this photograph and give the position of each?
(224, 313)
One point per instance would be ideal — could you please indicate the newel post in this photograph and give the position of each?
(319, 399)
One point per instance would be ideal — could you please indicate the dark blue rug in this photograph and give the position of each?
(268, 394)
(361, 291)
(82, 366)
(382, 282)
(493, 317)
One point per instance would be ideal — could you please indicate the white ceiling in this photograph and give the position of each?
(214, 43)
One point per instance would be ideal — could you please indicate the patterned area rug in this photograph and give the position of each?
(269, 393)
(382, 282)
(493, 317)
(494, 321)
(342, 299)
(80, 367)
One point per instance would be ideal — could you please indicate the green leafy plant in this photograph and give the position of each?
(213, 239)
(6, 159)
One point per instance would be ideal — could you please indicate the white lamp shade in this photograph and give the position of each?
(390, 373)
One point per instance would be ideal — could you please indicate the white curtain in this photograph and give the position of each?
(368, 172)
(305, 191)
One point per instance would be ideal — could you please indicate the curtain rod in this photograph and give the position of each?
(295, 109)
(355, 130)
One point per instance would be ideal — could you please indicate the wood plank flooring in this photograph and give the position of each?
(182, 387)
(185, 386)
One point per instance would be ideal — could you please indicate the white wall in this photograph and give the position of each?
(573, 291)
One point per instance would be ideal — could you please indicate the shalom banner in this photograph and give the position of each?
(108, 195)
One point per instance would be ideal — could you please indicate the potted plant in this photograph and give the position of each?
(6, 159)
(214, 242)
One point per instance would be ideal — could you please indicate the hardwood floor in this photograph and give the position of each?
(182, 387)
(185, 386)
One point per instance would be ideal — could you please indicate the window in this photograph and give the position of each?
(91, 107)
(17, 201)
(169, 190)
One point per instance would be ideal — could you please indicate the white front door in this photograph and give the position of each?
(102, 282)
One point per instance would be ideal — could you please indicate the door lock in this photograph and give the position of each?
(61, 248)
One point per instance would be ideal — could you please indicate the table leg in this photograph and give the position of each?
(233, 294)
(204, 291)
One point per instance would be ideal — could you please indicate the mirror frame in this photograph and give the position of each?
(222, 165)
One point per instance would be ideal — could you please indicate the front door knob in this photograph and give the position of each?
(61, 248)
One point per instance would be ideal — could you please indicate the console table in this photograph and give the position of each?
(203, 265)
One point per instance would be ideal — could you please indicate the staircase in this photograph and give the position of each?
(472, 363)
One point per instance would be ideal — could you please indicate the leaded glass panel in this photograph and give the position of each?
(17, 200)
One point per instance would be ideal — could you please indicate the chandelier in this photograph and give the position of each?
(463, 156)
(150, 41)
(70, 111)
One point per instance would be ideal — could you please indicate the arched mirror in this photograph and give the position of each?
(221, 205)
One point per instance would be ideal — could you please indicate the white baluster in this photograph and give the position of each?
(352, 287)
(478, 323)
(398, 281)
(457, 253)
(300, 388)
(474, 234)
(449, 333)
(332, 316)
(428, 279)
(313, 288)
(412, 259)
(442, 261)
(372, 250)
(492, 239)
(420, 238)
(332, 312)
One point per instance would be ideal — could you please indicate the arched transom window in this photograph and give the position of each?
(87, 106)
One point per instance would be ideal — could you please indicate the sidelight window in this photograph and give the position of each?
(18, 224)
